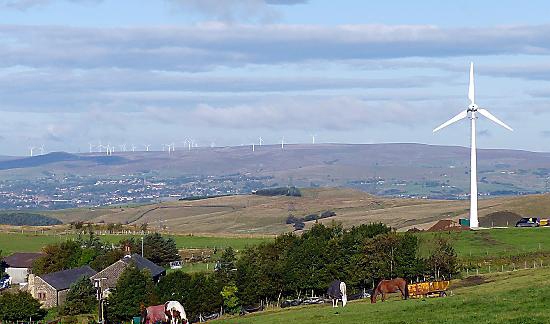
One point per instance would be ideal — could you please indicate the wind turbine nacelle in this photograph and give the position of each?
(473, 107)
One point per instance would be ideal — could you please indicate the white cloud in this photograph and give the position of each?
(206, 46)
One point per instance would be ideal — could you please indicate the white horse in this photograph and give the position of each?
(337, 291)
(176, 311)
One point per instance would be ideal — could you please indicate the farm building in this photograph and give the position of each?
(19, 266)
(113, 272)
(51, 289)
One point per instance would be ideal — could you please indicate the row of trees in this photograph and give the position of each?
(88, 249)
(290, 266)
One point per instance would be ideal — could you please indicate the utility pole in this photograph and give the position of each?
(142, 247)
(99, 295)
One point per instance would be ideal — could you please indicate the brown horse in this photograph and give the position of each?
(390, 286)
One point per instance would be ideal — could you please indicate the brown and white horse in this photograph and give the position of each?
(390, 286)
(170, 312)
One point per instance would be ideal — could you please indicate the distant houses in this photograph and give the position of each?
(19, 266)
(51, 289)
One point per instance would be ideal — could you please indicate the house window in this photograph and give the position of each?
(42, 296)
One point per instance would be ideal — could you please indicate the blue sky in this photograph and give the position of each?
(229, 71)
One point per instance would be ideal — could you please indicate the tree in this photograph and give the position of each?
(227, 265)
(198, 292)
(3, 265)
(156, 248)
(60, 256)
(443, 261)
(391, 255)
(104, 260)
(133, 288)
(20, 306)
(81, 298)
(230, 300)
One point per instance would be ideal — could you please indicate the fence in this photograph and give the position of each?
(486, 269)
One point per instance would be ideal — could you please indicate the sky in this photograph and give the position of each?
(226, 72)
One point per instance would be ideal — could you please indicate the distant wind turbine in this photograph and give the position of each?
(312, 138)
(283, 143)
(261, 141)
(473, 109)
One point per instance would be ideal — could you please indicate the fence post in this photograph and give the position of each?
(467, 272)
(534, 264)
(489, 268)
(525, 264)
(502, 265)
(477, 271)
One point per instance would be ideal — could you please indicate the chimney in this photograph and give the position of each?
(127, 251)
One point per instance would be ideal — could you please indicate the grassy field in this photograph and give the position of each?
(513, 297)
(499, 242)
(15, 242)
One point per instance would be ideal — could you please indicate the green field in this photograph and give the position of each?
(494, 242)
(513, 297)
(16, 242)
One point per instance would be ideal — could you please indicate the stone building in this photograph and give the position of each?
(110, 275)
(51, 289)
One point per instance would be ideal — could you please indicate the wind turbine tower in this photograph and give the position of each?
(283, 143)
(471, 113)
(261, 141)
(312, 138)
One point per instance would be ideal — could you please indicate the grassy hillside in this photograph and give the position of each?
(250, 214)
(514, 297)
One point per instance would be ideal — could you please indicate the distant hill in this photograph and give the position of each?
(398, 170)
(57, 157)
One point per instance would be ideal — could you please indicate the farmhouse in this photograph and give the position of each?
(51, 289)
(111, 274)
(19, 266)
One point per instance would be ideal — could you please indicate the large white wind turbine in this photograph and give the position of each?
(473, 109)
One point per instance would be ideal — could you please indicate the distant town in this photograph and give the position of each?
(51, 192)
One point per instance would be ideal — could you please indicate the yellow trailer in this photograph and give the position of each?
(428, 289)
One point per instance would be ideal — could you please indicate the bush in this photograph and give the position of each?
(81, 298)
(133, 288)
(327, 214)
(280, 191)
(230, 300)
(20, 306)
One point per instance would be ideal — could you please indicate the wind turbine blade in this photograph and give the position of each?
(490, 116)
(461, 115)
(471, 88)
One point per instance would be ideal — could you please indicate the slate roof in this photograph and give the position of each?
(21, 260)
(62, 280)
(143, 263)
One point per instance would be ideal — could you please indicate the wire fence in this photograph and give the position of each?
(508, 267)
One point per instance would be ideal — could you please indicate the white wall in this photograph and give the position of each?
(18, 275)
